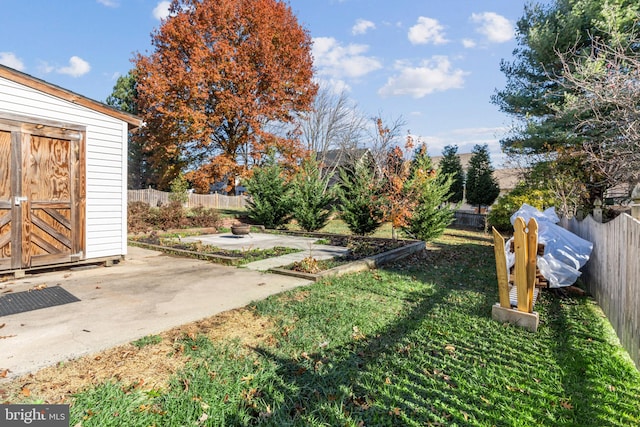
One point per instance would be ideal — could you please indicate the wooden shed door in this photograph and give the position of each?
(47, 237)
(41, 199)
(6, 199)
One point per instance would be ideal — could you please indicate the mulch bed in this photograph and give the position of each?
(361, 246)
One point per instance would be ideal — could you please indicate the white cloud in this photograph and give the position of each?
(336, 86)
(427, 30)
(161, 11)
(496, 28)
(45, 68)
(432, 75)
(337, 61)
(466, 139)
(11, 60)
(77, 67)
(469, 43)
(362, 26)
(108, 3)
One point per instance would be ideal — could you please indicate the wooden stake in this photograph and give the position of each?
(521, 252)
(501, 269)
(532, 253)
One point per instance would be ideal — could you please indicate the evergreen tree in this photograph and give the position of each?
(361, 198)
(269, 201)
(482, 187)
(451, 165)
(431, 215)
(311, 196)
(532, 95)
(125, 98)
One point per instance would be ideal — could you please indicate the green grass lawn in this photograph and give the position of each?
(410, 345)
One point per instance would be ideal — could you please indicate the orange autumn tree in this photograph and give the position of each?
(399, 197)
(222, 74)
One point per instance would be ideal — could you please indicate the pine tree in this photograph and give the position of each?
(431, 215)
(361, 198)
(451, 165)
(311, 196)
(269, 201)
(482, 187)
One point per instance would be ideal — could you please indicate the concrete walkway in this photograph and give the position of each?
(266, 241)
(148, 293)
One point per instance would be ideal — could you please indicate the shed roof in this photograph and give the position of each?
(51, 89)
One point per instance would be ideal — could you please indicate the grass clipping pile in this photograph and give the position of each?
(148, 367)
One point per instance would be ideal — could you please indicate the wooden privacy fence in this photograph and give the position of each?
(159, 198)
(612, 274)
(469, 219)
(525, 248)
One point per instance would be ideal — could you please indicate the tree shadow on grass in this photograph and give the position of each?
(445, 362)
(597, 384)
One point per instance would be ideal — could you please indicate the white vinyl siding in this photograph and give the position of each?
(106, 162)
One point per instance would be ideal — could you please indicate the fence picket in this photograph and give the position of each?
(215, 201)
(612, 274)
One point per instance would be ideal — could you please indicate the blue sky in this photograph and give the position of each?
(434, 63)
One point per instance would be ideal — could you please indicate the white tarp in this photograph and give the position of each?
(564, 252)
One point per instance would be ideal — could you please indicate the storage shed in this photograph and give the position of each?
(63, 176)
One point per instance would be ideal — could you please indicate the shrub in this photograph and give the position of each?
(203, 217)
(361, 199)
(172, 216)
(431, 214)
(500, 214)
(269, 203)
(139, 217)
(311, 197)
(179, 190)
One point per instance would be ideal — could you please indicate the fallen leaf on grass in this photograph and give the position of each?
(566, 405)
(517, 389)
(25, 392)
(449, 349)
(395, 411)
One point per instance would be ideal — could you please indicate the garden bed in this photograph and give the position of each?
(366, 254)
(207, 252)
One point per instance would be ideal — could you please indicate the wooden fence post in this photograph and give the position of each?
(597, 210)
(635, 202)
